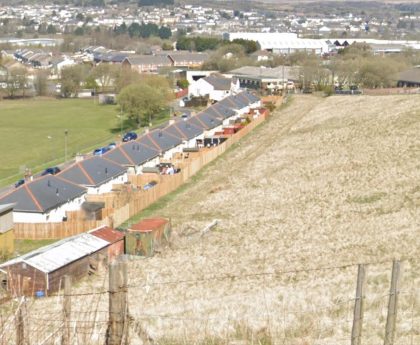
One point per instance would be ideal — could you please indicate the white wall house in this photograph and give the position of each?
(107, 186)
(216, 87)
(96, 174)
(55, 215)
(44, 200)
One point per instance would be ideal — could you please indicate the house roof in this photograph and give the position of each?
(43, 194)
(218, 82)
(184, 130)
(7, 207)
(93, 171)
(132, 153)
(56, 255)
(411, 75)
(182, 56)
(160, 140)
(209, 120)
(252, 72)
(139, 60)
(221, 110)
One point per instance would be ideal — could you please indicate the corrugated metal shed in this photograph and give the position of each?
(59, 254)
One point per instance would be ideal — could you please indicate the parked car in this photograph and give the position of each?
(130, 136)
(19, 183)
(101, 151)
(112, 146)
(149, 185)
(51, 171)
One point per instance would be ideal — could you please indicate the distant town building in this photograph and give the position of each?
(281, 43)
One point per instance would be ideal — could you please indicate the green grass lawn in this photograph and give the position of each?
(32, 132)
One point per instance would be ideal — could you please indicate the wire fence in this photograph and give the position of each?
(252, 317)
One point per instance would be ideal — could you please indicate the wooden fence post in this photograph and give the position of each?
(20, 326)
(117, 303)
(392, 304)
(66, 340)
(356, 332)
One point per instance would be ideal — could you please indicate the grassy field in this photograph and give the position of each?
(325, 184)
(32, 132)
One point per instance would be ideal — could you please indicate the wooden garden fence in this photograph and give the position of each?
(129, 200)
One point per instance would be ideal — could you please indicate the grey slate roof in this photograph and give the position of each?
(139, 60)
(219, 110)
(182, 56)
(235, 102)
(184, 130)
(132, 153)
(218, 82)
(206, 120)
(164, 139)
(43, 194)
(411, 75)
(93, 171)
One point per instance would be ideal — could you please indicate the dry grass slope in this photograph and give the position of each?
(326, 182)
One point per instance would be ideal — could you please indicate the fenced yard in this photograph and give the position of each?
(127, 201)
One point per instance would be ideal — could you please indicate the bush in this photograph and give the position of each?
(328, 90)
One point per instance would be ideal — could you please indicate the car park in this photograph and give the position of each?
(129, 136)
(51, 171)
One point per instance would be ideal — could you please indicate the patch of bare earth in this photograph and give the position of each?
(324, 183)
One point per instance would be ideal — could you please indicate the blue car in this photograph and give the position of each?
(19, 183)
(112, 146)
(51, 171)
(129, 136)
(101, 151)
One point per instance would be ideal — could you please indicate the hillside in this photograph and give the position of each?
(326, 182)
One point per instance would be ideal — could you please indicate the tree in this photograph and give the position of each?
(71, 79)
(51, 30)
(17, 80)
(120, 29)
(125, 77)
(183, 83)
(104, 74)
(143, 100)
(41, 83)
(248, 45)
(165, 32)
(80, 17)
(79, 31)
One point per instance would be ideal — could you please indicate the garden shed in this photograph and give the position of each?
(143, 238)
(41, 272)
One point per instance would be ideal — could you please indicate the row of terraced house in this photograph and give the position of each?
(49, 198)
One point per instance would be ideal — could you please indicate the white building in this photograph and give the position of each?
(282, 43)
(216, 87)
(96, 174)
(46, 199)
